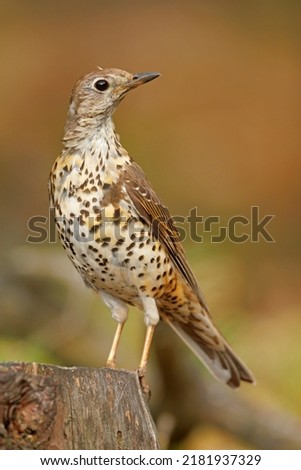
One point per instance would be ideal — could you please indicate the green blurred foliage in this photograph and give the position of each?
(218, 131)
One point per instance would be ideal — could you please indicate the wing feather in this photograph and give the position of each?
(154, 213)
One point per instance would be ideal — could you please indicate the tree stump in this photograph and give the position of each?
(51, 407)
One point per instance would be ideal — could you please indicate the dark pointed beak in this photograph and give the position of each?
(140, 78)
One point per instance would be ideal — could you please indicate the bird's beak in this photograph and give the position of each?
(140, 78)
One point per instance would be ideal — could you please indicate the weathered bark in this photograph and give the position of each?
(51, 407)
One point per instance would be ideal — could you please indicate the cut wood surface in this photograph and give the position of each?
(51, 407)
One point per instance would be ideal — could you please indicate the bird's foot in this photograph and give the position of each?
(111, 364)
(144, 385)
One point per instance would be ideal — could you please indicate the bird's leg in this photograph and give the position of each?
(120, 313)
(111, 361)
(151, 318)
(146, 348)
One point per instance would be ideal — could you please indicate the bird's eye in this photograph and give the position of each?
(101, 85)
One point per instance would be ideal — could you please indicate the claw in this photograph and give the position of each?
(111, 364)
(143, 383)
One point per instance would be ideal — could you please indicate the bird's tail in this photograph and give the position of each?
(212, 349)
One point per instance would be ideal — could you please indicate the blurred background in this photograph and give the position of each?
(220, 131)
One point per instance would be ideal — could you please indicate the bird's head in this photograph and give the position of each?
(99, 93)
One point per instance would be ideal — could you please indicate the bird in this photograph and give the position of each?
(120, 236)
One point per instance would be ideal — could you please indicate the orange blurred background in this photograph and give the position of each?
(220, 131)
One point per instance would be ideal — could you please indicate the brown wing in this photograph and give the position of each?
(157, 216)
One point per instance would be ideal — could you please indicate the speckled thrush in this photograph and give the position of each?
(120, 236)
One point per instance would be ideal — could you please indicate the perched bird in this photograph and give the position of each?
(119, 235)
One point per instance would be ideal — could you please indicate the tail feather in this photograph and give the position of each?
(221, 361)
